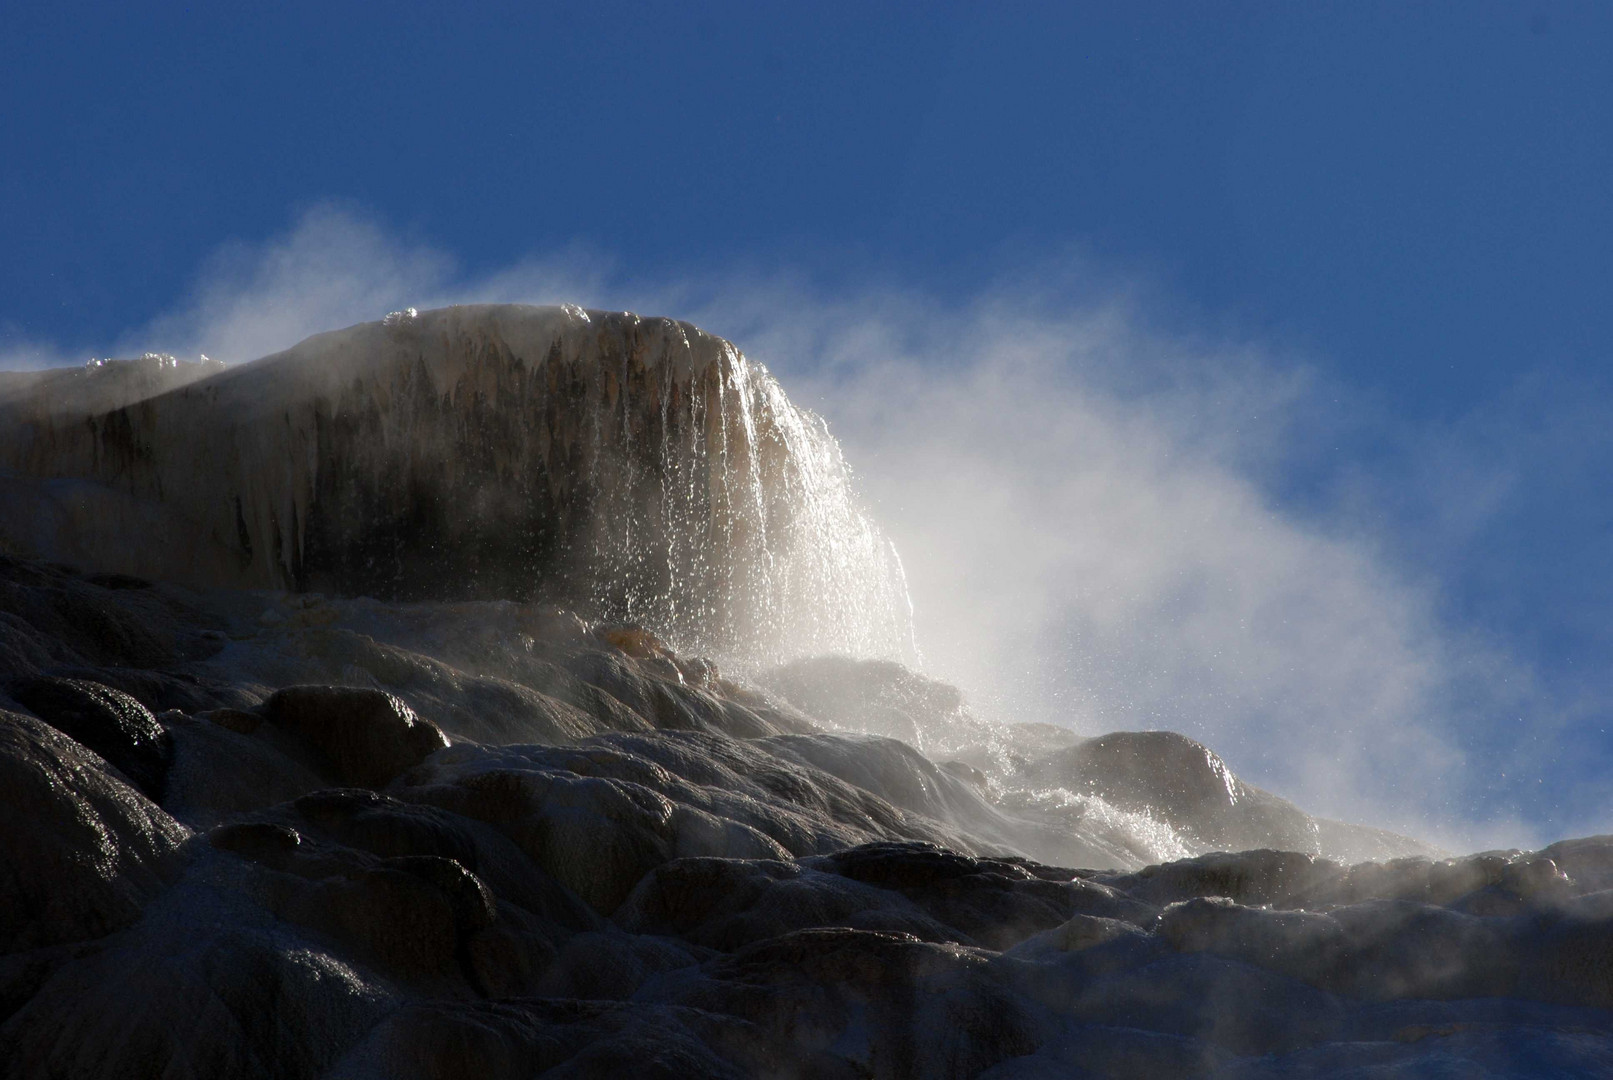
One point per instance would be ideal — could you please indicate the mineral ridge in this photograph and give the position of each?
(516, 692)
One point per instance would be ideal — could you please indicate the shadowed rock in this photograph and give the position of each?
(994, 902)
(602, 815)
(887, 1004)
(690, 879)
(219, 773)
(51, 616)
(515, 1040)
(259, 841)
(81, 851)
(367, 736)
(727, 904)
(183, 997)
(108, 721)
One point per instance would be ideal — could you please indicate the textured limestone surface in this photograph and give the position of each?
(634, 468)
(473, 694)
(282, 835)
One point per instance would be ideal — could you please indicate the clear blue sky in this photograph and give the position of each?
(1416, 194)
(1420, 189)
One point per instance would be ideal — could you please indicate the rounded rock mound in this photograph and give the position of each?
(637, 469)
(81, 851)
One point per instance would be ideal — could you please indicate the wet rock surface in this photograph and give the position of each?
(111, 723)
(1091, 799)
(447, 840)
(366, 736)
(512, 820)
(84, 850)
(638, 468)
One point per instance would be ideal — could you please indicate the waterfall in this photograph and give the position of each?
(636, 468)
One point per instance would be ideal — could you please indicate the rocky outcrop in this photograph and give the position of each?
(364, 736)
(487, 838)
(84, 851)
(111, 723)
(1118, 799)
(637, 469)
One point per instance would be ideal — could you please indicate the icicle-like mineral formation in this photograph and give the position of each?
(640, 469)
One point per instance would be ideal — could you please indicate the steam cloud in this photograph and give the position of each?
(1089, 508)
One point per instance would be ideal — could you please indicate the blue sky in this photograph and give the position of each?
(1403, 209)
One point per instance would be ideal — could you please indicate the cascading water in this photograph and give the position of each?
(767, 552)
(639, 469)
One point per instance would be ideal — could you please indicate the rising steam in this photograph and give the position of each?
(1087, 507)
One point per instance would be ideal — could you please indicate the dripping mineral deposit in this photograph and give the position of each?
(511, 692)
